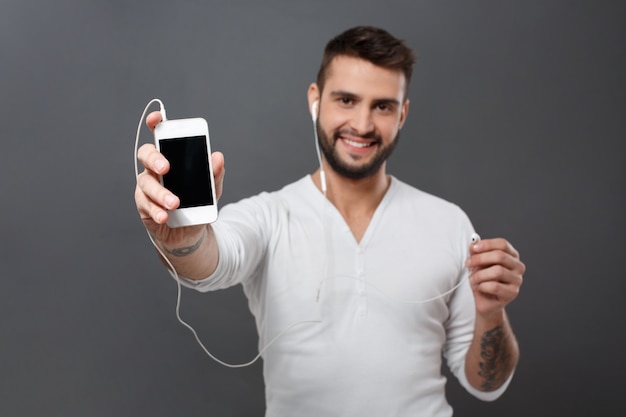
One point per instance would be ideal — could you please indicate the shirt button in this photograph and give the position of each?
(362, 292)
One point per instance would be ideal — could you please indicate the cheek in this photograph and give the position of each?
(332, 123)
(389, 131)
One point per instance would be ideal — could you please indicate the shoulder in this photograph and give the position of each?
(444, 223)
(298, 193)
(408, 195)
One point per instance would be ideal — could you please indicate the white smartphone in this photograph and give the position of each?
(185, 144)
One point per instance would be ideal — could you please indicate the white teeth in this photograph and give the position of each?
(357, 144)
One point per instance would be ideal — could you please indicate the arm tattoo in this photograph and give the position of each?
(496, 363)
(187, 250)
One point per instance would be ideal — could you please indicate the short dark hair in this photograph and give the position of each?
(371, 44)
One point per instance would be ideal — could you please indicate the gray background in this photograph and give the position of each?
(517, 114)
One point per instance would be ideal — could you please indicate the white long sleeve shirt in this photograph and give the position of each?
(359, 339)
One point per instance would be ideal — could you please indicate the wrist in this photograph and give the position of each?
(184, 244)
(490, 319)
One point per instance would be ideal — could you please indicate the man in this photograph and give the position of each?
(349, 267)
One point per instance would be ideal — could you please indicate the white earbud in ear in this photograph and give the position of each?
(314, 110)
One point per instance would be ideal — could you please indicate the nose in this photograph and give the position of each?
(362, 122)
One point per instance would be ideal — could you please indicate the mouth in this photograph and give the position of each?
(358, 144)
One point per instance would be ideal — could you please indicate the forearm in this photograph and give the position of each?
(493, 354)
(194, 258)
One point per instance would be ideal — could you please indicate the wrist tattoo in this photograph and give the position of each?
(496, 363)
(186, 250)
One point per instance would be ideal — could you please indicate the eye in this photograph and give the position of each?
(385, 107)
(346, 100)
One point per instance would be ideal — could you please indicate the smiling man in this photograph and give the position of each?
(359, 283)
(365, 102)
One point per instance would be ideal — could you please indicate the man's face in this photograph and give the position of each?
(361, 111)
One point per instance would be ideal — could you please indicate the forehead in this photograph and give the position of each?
(362, 78)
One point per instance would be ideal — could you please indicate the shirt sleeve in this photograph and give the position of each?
(241, 232)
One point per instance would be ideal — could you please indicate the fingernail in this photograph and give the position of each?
(468, 262)
(160, 216)
(159, 165)
(169, 201)
(477, 246)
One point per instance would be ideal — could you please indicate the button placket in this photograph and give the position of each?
(360, 281)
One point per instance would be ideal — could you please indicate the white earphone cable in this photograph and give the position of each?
(178, 279)
(327, 265)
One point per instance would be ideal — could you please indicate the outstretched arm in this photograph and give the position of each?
(193, 249)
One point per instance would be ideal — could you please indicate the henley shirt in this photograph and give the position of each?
(356, 336)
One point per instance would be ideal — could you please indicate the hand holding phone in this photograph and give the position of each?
(185, 144)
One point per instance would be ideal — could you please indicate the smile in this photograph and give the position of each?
(358, 144)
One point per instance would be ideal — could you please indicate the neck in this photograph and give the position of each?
(355, 199)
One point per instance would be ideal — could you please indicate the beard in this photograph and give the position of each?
(343, 168)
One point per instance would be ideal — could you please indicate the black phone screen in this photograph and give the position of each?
(188, 177)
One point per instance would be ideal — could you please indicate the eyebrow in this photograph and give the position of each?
(342, 93)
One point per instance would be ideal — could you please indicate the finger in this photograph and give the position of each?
(152, 159)
(504, 286)
(217, 160)
(153, 119)
(486, 245)
(495, 294)
(151, 187)
(496, 273)
(149, 212)
(495, 257)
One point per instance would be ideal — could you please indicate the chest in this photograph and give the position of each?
(396, 265)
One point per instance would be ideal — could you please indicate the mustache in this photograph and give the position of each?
(351, 132)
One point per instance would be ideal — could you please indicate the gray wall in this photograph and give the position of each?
(517, 114)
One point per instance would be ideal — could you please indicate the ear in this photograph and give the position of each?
(313, 95)
(404, 113)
